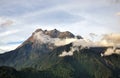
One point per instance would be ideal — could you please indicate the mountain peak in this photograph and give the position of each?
(57, 34)
(41, 36)
(55, 30)
(38, 30)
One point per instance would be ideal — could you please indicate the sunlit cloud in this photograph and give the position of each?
(118, 14)
(4, 22)
(114, 38)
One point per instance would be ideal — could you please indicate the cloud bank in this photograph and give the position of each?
(112, 41)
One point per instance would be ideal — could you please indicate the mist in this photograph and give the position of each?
(107, 40)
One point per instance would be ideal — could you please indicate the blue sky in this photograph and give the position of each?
(19, 18)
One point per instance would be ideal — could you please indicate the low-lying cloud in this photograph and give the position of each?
(62, 42)
(112, 38)
(42, 38)
(109, 40)
(112, 41)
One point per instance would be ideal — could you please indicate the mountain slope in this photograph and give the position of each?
(83, 64)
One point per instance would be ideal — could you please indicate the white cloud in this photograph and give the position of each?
(64, 53)
(112, 41)
(62, 42)
(2, 51)
(112, 38)
(6, 33)
(7, 23)
(4, 22)
(111, 51)
(5, 48)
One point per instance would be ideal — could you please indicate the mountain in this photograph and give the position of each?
(55, 54)
(38, 45)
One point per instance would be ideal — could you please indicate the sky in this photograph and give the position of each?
(20, 18)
